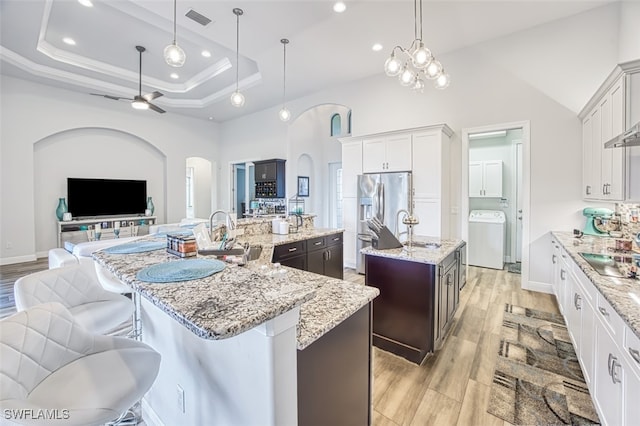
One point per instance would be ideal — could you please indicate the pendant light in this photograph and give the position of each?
(173, 54)
(284, 113)
(237, 98)
(415, 64)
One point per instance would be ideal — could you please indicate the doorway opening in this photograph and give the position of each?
(243, 190)
(199, 191)
(495, 196)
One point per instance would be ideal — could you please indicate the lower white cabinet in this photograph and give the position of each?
(350, 225)
(608, 392)
(607, 349)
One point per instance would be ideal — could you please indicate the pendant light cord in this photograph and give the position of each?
(417, 13)
(140, 76)
(237, 48)
(284, 73)
(174, 21)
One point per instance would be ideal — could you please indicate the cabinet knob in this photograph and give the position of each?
(603, 311)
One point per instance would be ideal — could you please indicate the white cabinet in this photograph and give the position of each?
(431, 181)
(485, 179)
(351, 167)
(608, 378)
(603, 170)
(350, 224)
(388, 153)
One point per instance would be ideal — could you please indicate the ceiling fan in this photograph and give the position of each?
(139, 101)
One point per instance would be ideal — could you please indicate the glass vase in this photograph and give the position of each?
(62, 208)
(150, 205)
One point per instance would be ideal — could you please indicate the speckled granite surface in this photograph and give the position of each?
(425, 250)
(623, 294)
(242, 297)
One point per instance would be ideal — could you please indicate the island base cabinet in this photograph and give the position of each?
(403, 320)
(334, 375)
(247, 379)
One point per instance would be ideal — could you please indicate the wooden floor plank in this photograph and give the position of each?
(437, 410)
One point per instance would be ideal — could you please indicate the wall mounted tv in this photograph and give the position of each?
(106, 197)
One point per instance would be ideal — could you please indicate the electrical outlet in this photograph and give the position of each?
(180, 393)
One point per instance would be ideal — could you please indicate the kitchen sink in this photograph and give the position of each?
(606, 264)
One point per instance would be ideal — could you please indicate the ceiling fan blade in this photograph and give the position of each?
(115, 98)
(155, 108)
(152, 96)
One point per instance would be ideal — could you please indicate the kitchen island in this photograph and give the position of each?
(419, 294)
(237, 347)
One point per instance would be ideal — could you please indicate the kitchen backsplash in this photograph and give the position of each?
(629, 215)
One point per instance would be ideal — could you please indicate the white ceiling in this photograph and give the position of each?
(326, 48)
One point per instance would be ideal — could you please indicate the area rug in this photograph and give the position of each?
(537, 379)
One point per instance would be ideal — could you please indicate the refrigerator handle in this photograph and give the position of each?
(381, 202)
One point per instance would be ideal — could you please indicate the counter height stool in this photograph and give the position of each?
(77, 288)
(50, 363)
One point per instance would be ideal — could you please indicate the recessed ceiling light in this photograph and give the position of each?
(69, 41)
(210, 118)
(339, 7)
(86, 3)
(174, 75)
(206, 53)
(376, 47)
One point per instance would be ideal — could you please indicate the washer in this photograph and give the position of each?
(486, 238)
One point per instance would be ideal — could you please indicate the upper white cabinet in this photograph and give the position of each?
(485, 179)
(388, 153)
(603, 170)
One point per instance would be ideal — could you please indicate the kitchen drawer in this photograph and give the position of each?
(288, 250)
(589, 289)
(316, 243)
(632, 348)
(334, 239)
(610, 319)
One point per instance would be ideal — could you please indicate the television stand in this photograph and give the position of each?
(81, 230)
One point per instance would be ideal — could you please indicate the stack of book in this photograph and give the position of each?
(182, 245)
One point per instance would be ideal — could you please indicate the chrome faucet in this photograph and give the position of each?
(229, 224)
(397, 233)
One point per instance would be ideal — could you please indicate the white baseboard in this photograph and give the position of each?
(41, 254)
(17, 259)
(538, 286)
(148, 415)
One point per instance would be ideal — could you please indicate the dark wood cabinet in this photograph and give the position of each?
(270, 178)
(322, 255)
(416, 305)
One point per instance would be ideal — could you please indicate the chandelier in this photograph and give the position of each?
(415, 65)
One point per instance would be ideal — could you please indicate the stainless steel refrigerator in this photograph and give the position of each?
(382, 195)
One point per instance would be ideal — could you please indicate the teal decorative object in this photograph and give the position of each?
(150, 205)
(62, 208)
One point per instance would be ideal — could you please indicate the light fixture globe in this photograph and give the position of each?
(421, 56)
(433, 70)
(174, 55)
(443, 81)
(418, 86)
(237, 99)
(284, 114)
(392, 66)
(139, 103)
(407, 76)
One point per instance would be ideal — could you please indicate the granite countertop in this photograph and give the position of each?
(623, 294)
(241, 297)
(430, 250)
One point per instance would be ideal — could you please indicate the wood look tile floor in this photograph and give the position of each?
(452, 386)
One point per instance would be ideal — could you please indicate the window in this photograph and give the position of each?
(336, 125)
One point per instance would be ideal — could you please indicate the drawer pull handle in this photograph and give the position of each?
(609, 363)
(635, 354)
(292, 249)
(603, 311)
(614, 377)
(553, 259)
(336, 239)
(577, 301)
(317, 243)
(563, 274)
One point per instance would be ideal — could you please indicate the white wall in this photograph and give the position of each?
(33, 112)
(486, 91)
(629, 35)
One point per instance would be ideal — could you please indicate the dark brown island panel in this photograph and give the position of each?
(417, 302)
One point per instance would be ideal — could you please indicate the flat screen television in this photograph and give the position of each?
(106, 197)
